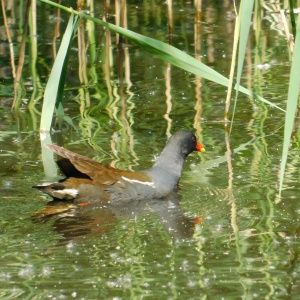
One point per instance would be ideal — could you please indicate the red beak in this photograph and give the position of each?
(200, 148)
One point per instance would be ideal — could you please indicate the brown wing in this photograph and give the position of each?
(101, 174)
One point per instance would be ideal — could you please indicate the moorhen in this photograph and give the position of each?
(89, 181)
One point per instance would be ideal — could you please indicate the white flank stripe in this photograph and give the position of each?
(140, 182)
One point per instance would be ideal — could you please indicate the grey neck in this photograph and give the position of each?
(166, 171)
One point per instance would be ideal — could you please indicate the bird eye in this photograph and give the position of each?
(193, 139)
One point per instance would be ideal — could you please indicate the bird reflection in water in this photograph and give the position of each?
(93, 219)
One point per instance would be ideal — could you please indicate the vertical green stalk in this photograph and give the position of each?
(292, 17)
(54, 89)
(292, 102)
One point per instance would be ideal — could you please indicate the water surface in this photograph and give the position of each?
(225, 235)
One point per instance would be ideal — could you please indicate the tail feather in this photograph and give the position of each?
(58, 191)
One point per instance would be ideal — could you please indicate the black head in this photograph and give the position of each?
(185, 142)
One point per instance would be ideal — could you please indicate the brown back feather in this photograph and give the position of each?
(99, 173)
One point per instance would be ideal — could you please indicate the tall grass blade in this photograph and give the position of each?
(55, 84)
(167, 53)
(245, 13)
(232, 67)
(292, 102)
(292, 17)
(246, 10)
(53, 97)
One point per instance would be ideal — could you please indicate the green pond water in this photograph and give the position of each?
(225, 235)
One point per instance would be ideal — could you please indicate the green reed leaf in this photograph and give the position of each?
(292, 102)
(54, 88)
(167, 53)
(245, 14)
